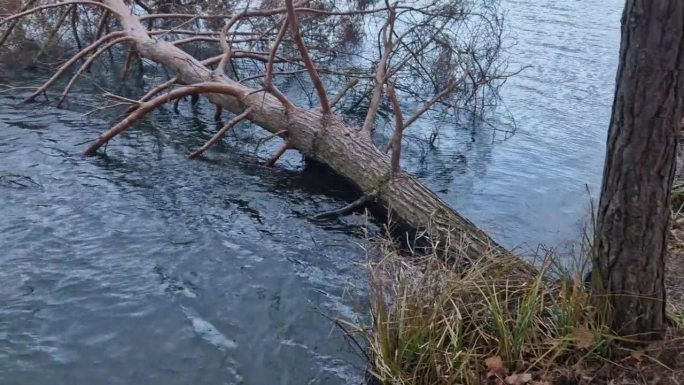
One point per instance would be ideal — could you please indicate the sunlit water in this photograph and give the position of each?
(140, 267)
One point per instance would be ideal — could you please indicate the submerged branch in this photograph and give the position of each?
(220, 133)
(152, 104)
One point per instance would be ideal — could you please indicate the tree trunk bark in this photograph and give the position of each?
(634, 211)
(326, 139)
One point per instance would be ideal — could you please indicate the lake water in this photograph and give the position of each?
(140, 267)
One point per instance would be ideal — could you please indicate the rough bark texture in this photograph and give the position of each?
(326, 139)
(634, 211)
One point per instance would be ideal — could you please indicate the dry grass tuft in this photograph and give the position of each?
(432, 323)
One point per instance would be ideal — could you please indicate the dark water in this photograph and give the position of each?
(140, 267)
(143, 267)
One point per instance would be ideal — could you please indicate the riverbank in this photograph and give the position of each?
(434, 324)
(674, 278)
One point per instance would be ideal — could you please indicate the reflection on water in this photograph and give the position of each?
(532, 188)
(139, 266)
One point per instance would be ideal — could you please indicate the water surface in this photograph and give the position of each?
(140, 267)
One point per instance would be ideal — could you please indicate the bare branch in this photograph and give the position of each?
(348, 208)
(74, 27)
(450, 87)
(122, 99)
(156, 90)
(395, 143)
(54, 31)
(226, 45)
(304, 53)
(146, 107)
(268, 81)
(217, 113)
(101, 24)
(170, 83)
(130, 56)
(9, 30)
(344, 91)
(64, 67)
(86, 65)
(274, 73)
(220, 133)
(381, 70)
(284, 147)
(105, 107)
(49, 6)
(261, 141)
(269, 12)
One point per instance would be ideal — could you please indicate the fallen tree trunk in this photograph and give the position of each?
(326, 139)
(317, 134)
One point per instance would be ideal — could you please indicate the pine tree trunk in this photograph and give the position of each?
(634, 211)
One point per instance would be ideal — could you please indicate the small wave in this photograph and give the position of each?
(208, 332)
(19, 182)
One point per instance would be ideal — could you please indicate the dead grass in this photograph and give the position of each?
(432, 323)
(674, 278)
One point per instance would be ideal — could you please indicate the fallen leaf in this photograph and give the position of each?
(496, 365)
(584, 337)
(519, 379)
(512, 379)
(637, 355)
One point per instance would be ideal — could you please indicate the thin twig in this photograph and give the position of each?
(9, 29)
(348, 208)
(129, 59)
(381, 70)
(220, 133)
(343, 91)
(74, 27)
(53, 32)
(450, 87)
(122, 99)
(49, 6)
(144, 108)
(261, 141)
(268, 81)
(64, 67)
(87, 64)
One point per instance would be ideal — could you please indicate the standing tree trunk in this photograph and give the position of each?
(634, 211)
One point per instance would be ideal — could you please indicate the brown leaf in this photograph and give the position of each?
(496, 365)
(637, 355)
(584, 337)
